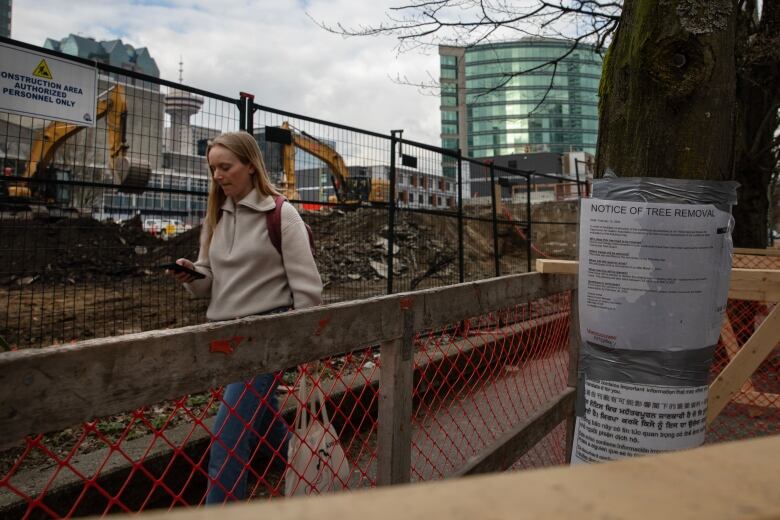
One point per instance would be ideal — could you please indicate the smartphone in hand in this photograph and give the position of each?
(181, 269)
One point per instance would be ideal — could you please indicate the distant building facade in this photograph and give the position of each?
(6, 8)
(416, 189)
(569, 168)
(489, 110)
(112, 52)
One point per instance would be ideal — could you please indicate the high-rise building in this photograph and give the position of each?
(5, 17)
(488, 109)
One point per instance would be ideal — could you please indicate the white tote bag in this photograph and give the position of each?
(316, 461)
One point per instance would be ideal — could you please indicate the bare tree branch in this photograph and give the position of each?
(468, 22)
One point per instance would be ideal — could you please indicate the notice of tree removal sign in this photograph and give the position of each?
(40, 85)
(652, 276)
(653, 284)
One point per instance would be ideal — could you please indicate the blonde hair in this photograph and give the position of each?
(245, 148)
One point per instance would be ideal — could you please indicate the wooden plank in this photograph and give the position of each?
(728, 338)
(746, 284)
(515, 443)
(574, 364)
(394, 425)
(755, 284)
(755, 262)
(497, 195)
(754, 251)
(52, 388)
(547, 266)
(742, 366)
(717, 482)
(436, 308)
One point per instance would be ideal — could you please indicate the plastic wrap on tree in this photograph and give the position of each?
(654, 271)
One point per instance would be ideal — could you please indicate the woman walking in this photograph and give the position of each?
(245, 275)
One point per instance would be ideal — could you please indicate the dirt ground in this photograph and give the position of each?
(74, 279)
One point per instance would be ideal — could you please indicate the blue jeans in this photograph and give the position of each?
(248, 416)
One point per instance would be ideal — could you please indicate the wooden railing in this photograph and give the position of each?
(721, 481)
(49, 389)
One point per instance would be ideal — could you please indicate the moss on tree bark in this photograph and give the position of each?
(668, 91)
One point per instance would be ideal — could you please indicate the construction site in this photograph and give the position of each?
(82, 278)
(448, 344)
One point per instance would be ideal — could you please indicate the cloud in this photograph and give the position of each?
(271, 49)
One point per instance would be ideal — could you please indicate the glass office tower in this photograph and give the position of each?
(6, 7)
(489, 109)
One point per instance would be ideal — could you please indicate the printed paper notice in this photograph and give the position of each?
(652, 276)
(626, 420)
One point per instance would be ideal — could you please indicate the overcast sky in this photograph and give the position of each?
(270, 48)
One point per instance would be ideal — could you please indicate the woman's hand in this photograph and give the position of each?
(179, 276)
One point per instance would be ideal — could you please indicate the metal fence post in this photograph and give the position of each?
(246, 111)
(391, 213)
(461, 260)
(577, 176)
(394, 425)
(529, 231)
(495, 217)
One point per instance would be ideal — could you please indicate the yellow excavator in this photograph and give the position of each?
(350, 189)
(128, 177)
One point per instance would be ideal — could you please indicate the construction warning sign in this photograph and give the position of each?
(42, 71)
(37, 85)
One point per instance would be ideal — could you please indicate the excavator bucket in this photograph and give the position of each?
(131, 176)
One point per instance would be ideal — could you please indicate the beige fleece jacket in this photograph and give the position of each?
(245, 274)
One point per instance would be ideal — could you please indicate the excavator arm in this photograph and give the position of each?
(348, 190)
(114, 108)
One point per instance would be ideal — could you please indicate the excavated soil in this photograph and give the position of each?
(74, 279)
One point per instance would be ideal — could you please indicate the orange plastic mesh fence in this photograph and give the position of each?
(482, 377)
(473, 381)
(547, 452)
(755, 410)
(186, 452)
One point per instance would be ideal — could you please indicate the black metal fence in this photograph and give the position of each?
(81, 247)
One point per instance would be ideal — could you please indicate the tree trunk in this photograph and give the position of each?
(667, 104)
(758, 96)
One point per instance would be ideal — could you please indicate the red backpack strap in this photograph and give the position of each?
(273, 221)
